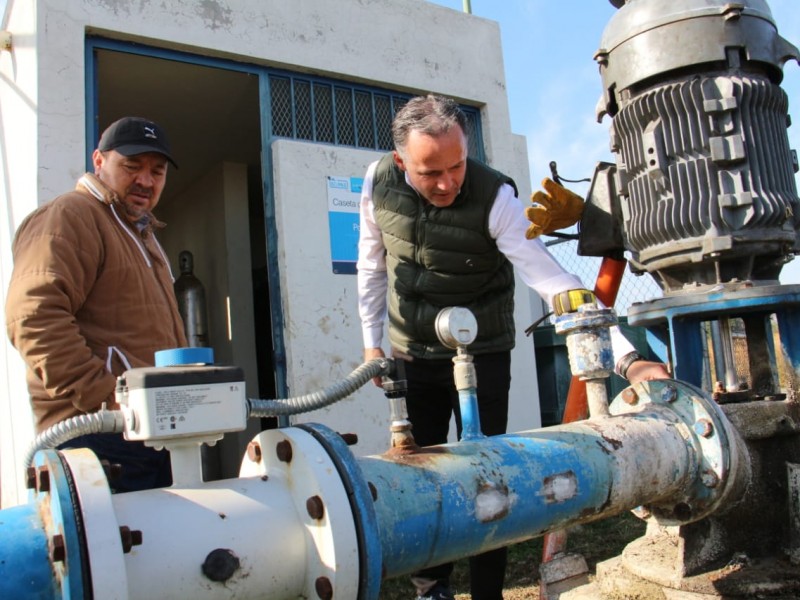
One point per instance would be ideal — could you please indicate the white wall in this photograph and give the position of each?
(322, 327)
(18, 196)
(407, 45)
(404, 44)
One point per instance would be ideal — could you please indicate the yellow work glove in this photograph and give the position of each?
(555, 208)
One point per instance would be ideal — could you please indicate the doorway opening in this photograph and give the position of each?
(213, 204)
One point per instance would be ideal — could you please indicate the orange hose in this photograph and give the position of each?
(609, 279)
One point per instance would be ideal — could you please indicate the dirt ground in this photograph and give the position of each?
(596, 542)
(523, 593)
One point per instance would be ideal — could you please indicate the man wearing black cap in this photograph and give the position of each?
(91, 293)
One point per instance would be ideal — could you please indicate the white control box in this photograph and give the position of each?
(163, 403)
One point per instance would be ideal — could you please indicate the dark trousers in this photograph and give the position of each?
(431, 399)
(142, 467)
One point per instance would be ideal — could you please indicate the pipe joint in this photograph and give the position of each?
(721, 469)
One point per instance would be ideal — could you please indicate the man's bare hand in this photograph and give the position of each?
(646, 370)
(371, 354)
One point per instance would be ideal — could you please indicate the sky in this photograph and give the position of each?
(553, 82)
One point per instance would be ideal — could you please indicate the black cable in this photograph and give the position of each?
(558, 179)
(536, 323)
(563, 236)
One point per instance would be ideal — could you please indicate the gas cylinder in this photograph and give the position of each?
(191, 296)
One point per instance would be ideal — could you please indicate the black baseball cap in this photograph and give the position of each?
(133, 135)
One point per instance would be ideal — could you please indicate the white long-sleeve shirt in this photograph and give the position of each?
(536, 266)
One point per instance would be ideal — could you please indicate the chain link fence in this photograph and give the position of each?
(634, 288)
(553, 374)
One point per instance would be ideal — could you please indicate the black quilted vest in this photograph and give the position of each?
(441, 257)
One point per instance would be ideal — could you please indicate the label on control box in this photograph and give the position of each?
(174, 404)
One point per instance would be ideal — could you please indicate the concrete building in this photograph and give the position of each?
(272, 107)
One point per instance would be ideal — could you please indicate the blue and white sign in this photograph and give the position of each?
(344, 197)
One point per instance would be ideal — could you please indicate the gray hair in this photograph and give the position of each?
(431, 115)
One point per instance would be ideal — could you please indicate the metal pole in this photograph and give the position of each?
(467, 6)
(731, 377)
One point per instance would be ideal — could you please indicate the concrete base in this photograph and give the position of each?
(565, 571)
(776, 580)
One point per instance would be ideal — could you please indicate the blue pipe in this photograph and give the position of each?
(417, 507)
(42, 553)
(470, 417)
(447, 502)
(23, 554)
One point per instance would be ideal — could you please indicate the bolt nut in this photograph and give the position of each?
(709, 478)
(629, 396)
(315, 508)
(58, 551)
(669, 394)
(30, 478)
(130, 538)
(42, 479)
(113, 471)
(732, 11)
(254, 452)
(284, 451)
(704, 428)
(351, 439)
(324, 588)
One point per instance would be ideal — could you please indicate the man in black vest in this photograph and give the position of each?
(439, 229)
